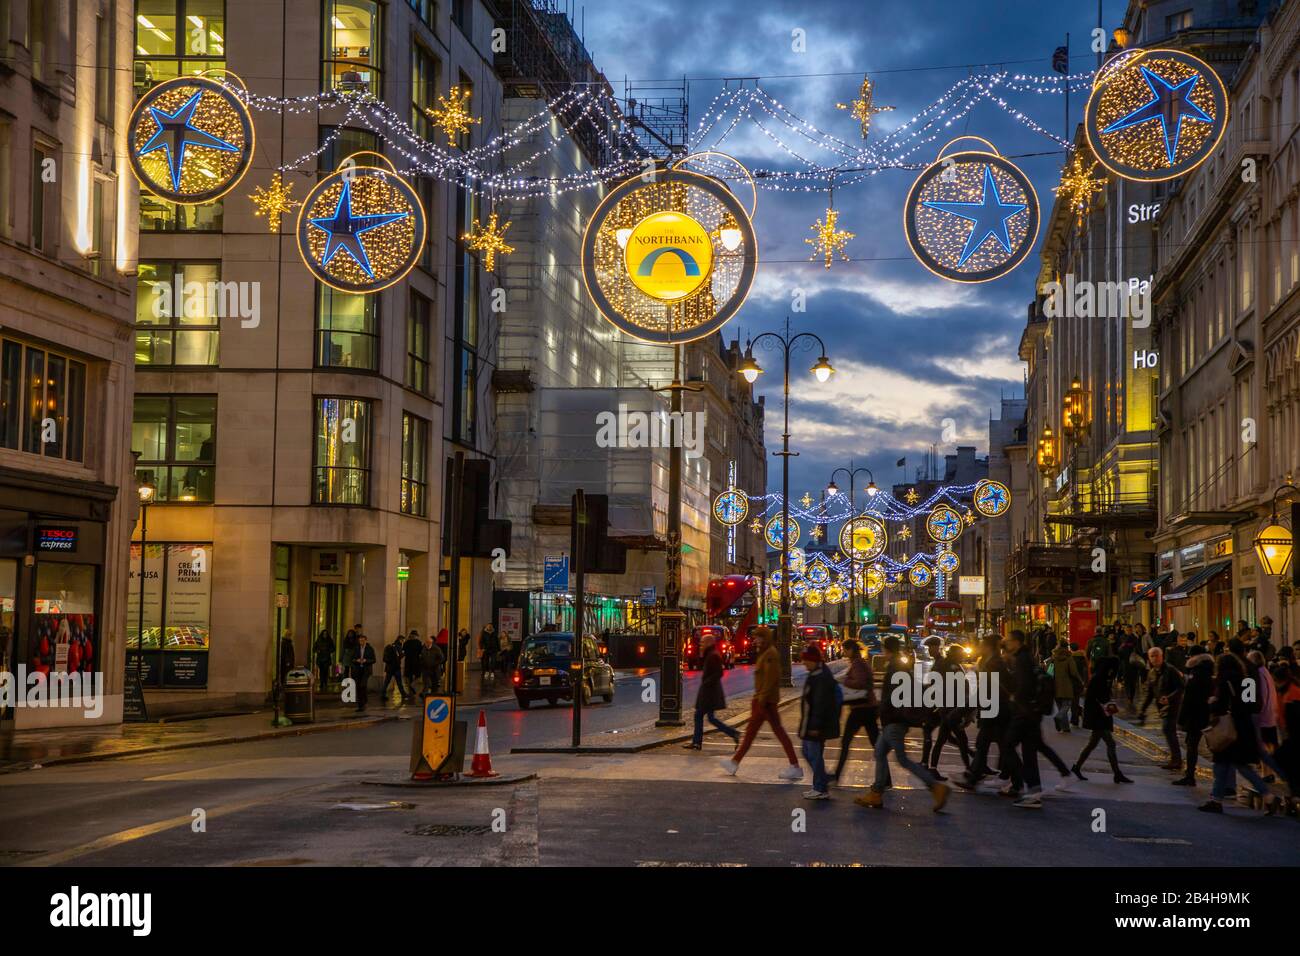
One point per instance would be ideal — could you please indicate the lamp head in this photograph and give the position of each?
(823, 369)
(749, 368)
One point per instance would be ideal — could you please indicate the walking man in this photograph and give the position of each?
(763, 707)
(862, 703)
(819, 719)
(488, 646)
(362, 665)
(1165, 685)
(710, 699)
(431, 659)
(393, 668)
(411, 650)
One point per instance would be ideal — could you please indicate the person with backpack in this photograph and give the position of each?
(1099, 718)
(952, 720)
(393, 668)
(1032, 695)
(863, 705)
(1194, 711)
(1067, 683)
(819, 718)
(896, 718)
(1165, 685)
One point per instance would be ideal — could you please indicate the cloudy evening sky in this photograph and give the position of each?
(910, 349)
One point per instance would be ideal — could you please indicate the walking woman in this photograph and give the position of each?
(710, 698)
(1232, 736)
(863, 705)
(1194, 712)
(1099, 717)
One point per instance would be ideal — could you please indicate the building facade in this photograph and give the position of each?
(67, 254)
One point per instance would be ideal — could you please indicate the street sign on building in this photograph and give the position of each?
(648, 596)
(970, 584)
(555, 574)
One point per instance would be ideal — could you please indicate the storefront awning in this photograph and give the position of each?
(1198, 580)
(1149, 590)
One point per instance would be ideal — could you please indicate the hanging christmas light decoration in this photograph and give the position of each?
(361, 228)
(944, 524)
(452, 114)
(489, 240)
(1077, 187)
(772, 532)
(829, 239)
(991, 498)
(190, 140)
(274, 202)
(948, 562)
(862, 109)
(863, 537)
(920, 575)
(731, 507)
(1155, 114)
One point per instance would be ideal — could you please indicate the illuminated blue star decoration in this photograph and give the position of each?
(176, 131)
(992, 499)
(944, 525)
(989, 216)
(344, 230)
(1170, 104)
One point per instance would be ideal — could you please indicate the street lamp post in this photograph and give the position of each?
(832, 489)
(146, 491)
(750, 369)
(1275, 549)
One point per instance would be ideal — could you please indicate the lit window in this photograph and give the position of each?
(176, 310)
(176, 436)
(341, 469)
(352, 41)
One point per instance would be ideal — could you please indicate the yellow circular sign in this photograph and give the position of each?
(669, 256)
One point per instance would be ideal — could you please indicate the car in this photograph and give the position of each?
(692, 650)
(544, 670)
(870, 636)
(823, 635)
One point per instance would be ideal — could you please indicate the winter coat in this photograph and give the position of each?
(324, 649)
(710, 696)
(1098, 648)
(1024, 684)
(1228, 705)
(767, 677)
(1266, 692)
(1194, 714)
(819, 712)
(488, 643)
(890, 712)
(363, 662)
(1067, 676)
(1095, 699)
(1164, 681)
(392, 658)
(996, 666)
(411, 649)
(431, 659)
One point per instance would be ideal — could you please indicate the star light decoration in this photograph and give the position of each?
(806, 500)
(904, 532)
(829, 239)
(274, 201)
(862, 109)
(817, 532)
(756, 526)
(1077, 187)
(911, 496)
(452, 115)
(489, 240)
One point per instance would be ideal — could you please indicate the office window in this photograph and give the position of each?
(101, 229)
(415, 455)
(157, 215)
(346, 330)
(176, 436)
(42, 401)
(176, 309)
(45, 202)
(175, 37)
(341, 470)
(424, 89)
(465, 357)
(460, 14)
(344, 144)
(427, 11)
(6, 168)
(424, 188)
(103, 70)
(1182, 20)
(38, 35)
(417, 343)
(352, 41)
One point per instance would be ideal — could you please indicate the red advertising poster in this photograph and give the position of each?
(62, 643)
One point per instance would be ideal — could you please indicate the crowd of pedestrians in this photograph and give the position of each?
(1234, 703)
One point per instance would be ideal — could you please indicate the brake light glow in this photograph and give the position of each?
(518, 678)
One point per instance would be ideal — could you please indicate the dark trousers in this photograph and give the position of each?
(1193, 751)
(412, 672)
(1025, 733)
(855, 719)
(363, 688)
(951, 727)
(389, 678)
(1169, 727)
(1099, 736)
(698, 739)
(989, 733)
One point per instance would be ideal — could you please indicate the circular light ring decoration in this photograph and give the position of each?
(944, 524)
(836, 594)
(875, 582)
(813, 598)
(797, 558)
(799, 588)
(654, 262)
(819, 574)
(991, 498)
(362, 228)
(774, 579)
(731, 507)
(948, 562)
(744, 172)
(971, 216)
(863, 538)
(190, 140)
(1156, 115)
(892, 578)
(920, 575)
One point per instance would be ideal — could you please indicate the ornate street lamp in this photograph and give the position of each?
(832, 489)
(147, 492)
(1047, 452)
(1275, 543)
(1074, 412)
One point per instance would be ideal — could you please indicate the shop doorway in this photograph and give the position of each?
(327, 612)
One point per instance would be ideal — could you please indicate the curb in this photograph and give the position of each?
(1152, 750)
(460, 781)
(296, 731)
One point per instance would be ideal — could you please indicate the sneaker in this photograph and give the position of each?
(1030, 801)
(791, 773)
(1185, 782)
(940, 793)
(816, 795)
(730, 767)
(871, 799)
(1064, 784)
(1211, 806)
(964, 781)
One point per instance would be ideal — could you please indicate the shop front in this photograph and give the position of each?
(176, 590)
(52, 550)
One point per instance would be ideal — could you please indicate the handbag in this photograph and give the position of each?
(1221, 734)
(850, 694)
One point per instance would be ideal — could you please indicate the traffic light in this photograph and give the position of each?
(866, 614)
(601, 555)
(479, 535)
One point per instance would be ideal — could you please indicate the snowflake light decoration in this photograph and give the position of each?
(452, 114)
(489, 240)
(829, 239)
(862, 109)
(274, 201)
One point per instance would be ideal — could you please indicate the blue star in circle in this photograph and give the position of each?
(345, 230)
(1170, 105)
(176, 131)
(992, 498)
(945, 523)
(989, 215)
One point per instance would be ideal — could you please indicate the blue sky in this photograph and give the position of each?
(910, 349)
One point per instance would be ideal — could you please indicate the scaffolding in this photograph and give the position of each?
(658, 115)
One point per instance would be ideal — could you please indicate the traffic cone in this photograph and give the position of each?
(482, 763)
